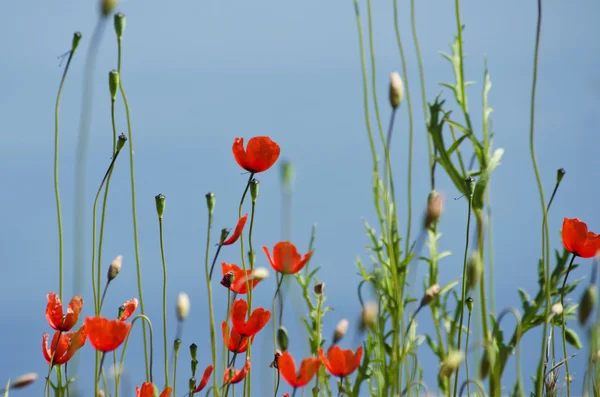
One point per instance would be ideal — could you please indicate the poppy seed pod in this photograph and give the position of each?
(24, 380)
(121, 142)
(107, 6)
(76, 40)
(283, 340)
(474, 269)
(340, 330)
(396, 89)
(176, 345)
(369, 315)
(560, 173)
(254, 189)
(210, 202)
(430, 294)
(119, 24)
(192, 383)
(435, 206)
(193, 350)
(113, 84)
(586, 304)
(160, 205)
(194, 367)
(183, 306)
(115, 267)
(451, 363)
(470, 304)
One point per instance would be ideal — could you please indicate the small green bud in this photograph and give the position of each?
(287, 175)
(193, 350)
(121, 311)
(283, 339)
(470, 304)
(194, 366)
(254, 189)
(224, 234)
(572, 338)
(113, 84)
(470, 181)
(474, 269)
(107, 6)
(76, 40)
(176, 345)
(210, 202)
(586, 304)
(119, 24)
(560, 173)
(160, 205)
(192, 383)
(121, 142)
(396, 89)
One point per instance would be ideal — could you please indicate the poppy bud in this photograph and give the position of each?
(430, 293)
(224, 234)
(287, 175)
(556, 309)
(176, 345)
(572, 338)
(470, 304)
(121, 142)
(283, 339)
(210, 202)
(260, 273)
(194, 366)
(340, 330)
(193, 350)
(560, 173)
(192, 383)
(470, 181)
(113, 84)
(396, 89)
(451, 363)
(474, 269)
(100, 393)
(107, 6)
(586, 304)
(319, 288)
(254, 189)
(369, 315)
(76, 40)
(435, 206)
(119, 24)
(160, 205)
(486, 362)
(24, 380)
(183, 306)
(115, 267)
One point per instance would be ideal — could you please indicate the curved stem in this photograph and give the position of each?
(213, 337)
(164, 265)
(146, 320)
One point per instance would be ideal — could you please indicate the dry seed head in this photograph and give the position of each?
(430, 294)
(183, 306)
(369, 315)
(340, 330)
(24, 380)
(396, 89)
(115, 267)
(435, 207)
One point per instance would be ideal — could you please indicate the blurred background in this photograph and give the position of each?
(197, 75)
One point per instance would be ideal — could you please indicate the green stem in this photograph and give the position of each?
(213, 337)
(175, 374)
(146, 320)
(564, 325)
(248, 378)
(467, 352)
(164, 265)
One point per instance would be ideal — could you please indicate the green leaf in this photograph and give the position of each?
(572, 338)
(448, 287)
(525, 300)
(481, 185)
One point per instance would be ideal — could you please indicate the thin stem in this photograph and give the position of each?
(564, 325)
(248, 378)
(115, 369)
(212, 267)
(466, 352)
(164, 265)
(146, 320)
(213, 338)
(277, 292)
(67, 378)
(175, 373)
(98, 373)
(277, 384)
(104, 295)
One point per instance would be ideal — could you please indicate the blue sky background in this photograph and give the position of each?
(199, 74)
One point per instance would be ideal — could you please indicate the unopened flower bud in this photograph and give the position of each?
(470, 181)
(435, 206)
(369, 315)
(586, 304)
(76, 40)
(451, 363)
(121, 142)
(115, 267)
(254, 189)
(176, 345)
(119, 24)
(287, 175)
(100, 393)
(160, 205)
(210, 202)
(107, 6)
(224, 234)
(557, 309)
(319, 288)
(24, 380)
(193, 350)
(340, 330)
(430, 293)
(474, 269)
(113, 84)
(560, 173)
(194, 366)
(396, 89)
(470, 304)
(275, 359)
(183, 306)
(192, 383)
(283, 339)
(259, 273)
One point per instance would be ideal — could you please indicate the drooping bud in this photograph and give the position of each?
(435, 206)
(119, 24)
(560, 173)
(287, 175)
(210, 202)
(572, 338)
(430, 294)
(160, 205)
(183, 306)
(474, 269)
(76, 40)
(193, 350)
(113, 84)
(24, 380)
(586, 304)
(121, 142)
(254, 189)
(107, 6)
(396, 89)
(451, 363)
(369, 315)
(115, 267)
(340, 330)
(283, 339)
(319, 288)
(470, 304)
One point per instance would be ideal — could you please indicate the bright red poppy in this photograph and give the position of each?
(204, 380)
(236, 376)
(286, 258)
(258, 319)
(55, 316)
(287, 369)
(578, 240)
(106, 335)
(127, 309)
(233, 340)
(341, 362)
(147, 390)
(237, 232)
(63, 345)
(260, 154)
(235, 278)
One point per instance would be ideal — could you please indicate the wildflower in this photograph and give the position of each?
(258, 319)
(237, 232)
(183, 306)
(63, 345)
(55, 316)
(435, 206)
(127, 309)
(260, 154)
(235, 342)
(147, 390)
(287, 369)
(204, 380)
(235, 278)
(578, 240)
(340, 362)
(286, 258)
(236, 376)
(106, 335)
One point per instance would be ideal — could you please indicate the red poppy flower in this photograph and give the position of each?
(235, 278)
(55, 316)
(260, 154)
(287, 369)
(286, 258)
(63, 348)
(578, 240)
(204, 380)
(236, 376)
(237, 232)
(234, 341)
(147, 390)
(258, 319)
(340, 362)
(106, 335)
(127, 309)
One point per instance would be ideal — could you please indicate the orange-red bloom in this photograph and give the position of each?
(147, 390)
(286, 258)
(235, 278)
(55, 316)
(237, 232)
(287, 369)
(258, 319)
(234, 341)
(63, 345)
(260, 154)
(340, 362)
(104, 334)
(236, 376)
(578, 240)
(204, 380)
(127, 309)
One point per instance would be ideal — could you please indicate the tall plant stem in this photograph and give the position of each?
(213, 337)
(564, 325)
(164, 265)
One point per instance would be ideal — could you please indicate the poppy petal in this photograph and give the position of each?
(205, 378)
(54, 311)
(287, 368)
(237, 232)
(106, 335)
(128, 309)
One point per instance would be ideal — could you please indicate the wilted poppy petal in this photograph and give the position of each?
(204, 380)
(128, 309)
(238, 375)
(237, 232)
(106, 335)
